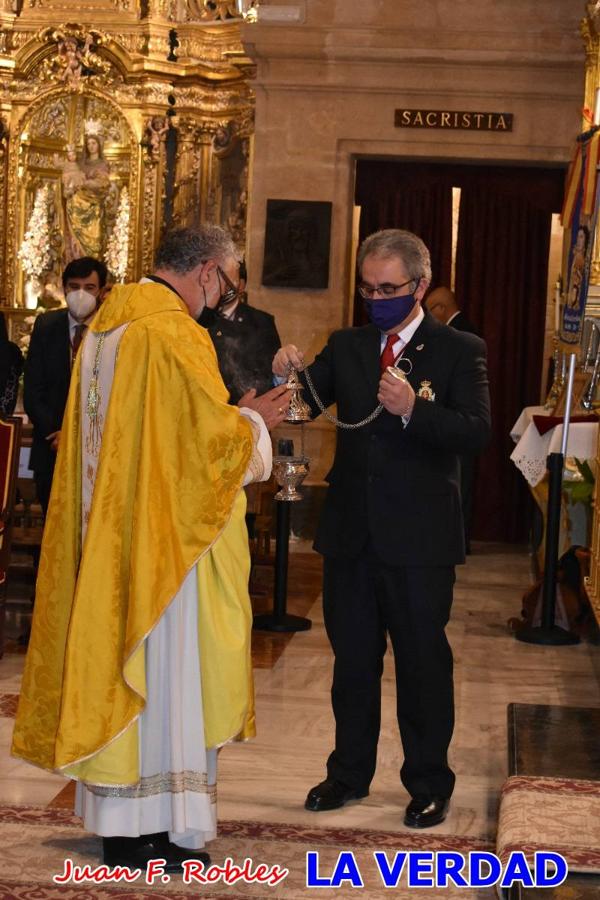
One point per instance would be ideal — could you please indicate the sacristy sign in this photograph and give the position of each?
(455, 120)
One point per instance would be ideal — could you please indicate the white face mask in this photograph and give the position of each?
(81, 304)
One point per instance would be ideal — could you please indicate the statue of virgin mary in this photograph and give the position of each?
(85, 202)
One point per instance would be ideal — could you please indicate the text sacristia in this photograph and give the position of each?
(460, 120)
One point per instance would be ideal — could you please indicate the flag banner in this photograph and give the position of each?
(579, 219)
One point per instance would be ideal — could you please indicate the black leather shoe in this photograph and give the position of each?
(331, 794)
(426, 813)
(136, 853)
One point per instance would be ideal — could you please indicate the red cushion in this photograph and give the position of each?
(547, 423)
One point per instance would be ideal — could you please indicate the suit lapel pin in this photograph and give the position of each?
(420, 347)
(425, 391)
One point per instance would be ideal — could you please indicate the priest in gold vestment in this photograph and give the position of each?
(139, 667)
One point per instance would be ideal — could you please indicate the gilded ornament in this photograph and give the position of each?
(51, 120)
(165, 9)
(149, 218)
(133, 43)
(76, 57)
(155, 135)
(19, 38)
(594, 10)
(425, 392)
(94, 399)
(3, 137)
(210, 10)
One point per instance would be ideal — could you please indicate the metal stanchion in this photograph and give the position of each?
(280, 619)
(548, 632)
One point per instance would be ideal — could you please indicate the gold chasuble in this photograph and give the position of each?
(166, 496)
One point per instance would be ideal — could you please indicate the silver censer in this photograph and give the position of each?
(290, 471)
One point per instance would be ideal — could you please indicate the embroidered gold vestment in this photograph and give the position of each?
(167, 497)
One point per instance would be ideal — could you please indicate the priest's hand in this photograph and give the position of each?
(272, 406)
(53, 440)
(285, 357)
(396, 395)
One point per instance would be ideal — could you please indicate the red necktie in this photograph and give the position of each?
(387, 357)
(78, 334)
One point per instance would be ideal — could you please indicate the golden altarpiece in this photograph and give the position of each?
(135, 117)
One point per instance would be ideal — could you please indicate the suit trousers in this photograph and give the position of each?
(43, 486)
(364, 599)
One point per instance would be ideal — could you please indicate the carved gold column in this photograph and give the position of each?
(4, 137)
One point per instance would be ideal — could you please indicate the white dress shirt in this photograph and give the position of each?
(405, 335)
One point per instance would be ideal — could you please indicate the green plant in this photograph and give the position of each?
(583, 490)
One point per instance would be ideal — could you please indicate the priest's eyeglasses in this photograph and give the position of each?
(232, 291)
(386, 289)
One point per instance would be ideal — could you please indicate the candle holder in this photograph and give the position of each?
(558, 296)
(588, 401)
(558, 379)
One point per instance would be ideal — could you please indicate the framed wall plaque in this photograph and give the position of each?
(297, 239)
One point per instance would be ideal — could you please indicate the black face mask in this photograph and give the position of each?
(207, 317)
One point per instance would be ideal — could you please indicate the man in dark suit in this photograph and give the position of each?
(441, 303)
(11, 366)
(55, 339)
(246, 341)
(391, 529)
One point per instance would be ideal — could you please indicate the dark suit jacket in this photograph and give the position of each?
(400, 487)
(11, 366)
(46, 383)
(461, 323)
(246, 345)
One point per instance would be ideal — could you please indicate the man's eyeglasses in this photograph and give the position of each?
(386, 289)
(232, 291)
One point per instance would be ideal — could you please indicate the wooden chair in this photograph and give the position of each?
(10, 445)
(28, 519)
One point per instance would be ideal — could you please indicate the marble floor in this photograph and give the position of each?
(267, 779)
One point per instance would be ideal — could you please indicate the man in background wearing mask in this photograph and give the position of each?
(55, 339)
(391, 528)
(246, 340)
